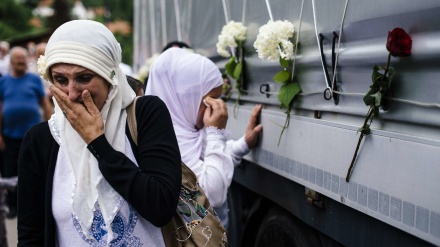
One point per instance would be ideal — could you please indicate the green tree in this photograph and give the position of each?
(122, 10)
(61, 13)
(31, 4)
(126, 46)
(119, 9)
(14, 19)
(93, 3)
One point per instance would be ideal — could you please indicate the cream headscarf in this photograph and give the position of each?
(181, 79)
(91, 45)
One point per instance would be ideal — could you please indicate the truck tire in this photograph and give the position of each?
(279, 229)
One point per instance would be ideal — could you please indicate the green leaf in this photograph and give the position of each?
(378, 68)
(237, 70)
(373, 89)
(375, 112)
(288, 92)
(365, 130)
(380, 85)
(282, 76)
(238, 83)
(369, 99)
(376, 77)
(377, 98)
(285, 62)
(230, 67)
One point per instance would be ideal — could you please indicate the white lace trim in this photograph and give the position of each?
(54, 129)
(217, 131)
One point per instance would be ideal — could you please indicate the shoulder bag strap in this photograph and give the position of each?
(131, 120)
(167, 230)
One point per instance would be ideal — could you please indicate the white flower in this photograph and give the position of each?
(231, 33)
(41, 66)
(144, 71)
(273, 40)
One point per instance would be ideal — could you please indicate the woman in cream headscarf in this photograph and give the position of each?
(191, 85)
(82, 181)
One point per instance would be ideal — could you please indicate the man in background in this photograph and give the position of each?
(35, 51)
(4, 58)
(21, 96)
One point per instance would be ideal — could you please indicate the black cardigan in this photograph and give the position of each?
(152, 188)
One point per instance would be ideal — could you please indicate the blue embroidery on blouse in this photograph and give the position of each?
(121, 227)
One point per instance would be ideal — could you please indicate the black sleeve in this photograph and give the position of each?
(152, 188)
(35, 153)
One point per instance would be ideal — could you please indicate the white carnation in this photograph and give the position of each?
(273, 40)
(41, 67)
(231, 33)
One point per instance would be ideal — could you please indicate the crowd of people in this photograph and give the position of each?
(82, 181)
(24, 102)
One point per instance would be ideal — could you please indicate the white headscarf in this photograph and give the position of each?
(91, 45)
(181, 79)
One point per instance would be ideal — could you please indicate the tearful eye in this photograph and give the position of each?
(85, 78)
(61, 80)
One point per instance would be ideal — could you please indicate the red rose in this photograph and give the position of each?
(399, 43)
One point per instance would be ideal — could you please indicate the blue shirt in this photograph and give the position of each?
(21, 103)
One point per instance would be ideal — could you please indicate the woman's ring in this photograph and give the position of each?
(65, 113)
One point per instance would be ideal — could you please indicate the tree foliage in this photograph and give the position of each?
(15, 16)
(61, 13)
(14, 19)
(118, 10)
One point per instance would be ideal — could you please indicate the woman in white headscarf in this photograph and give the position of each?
(82, 180)
(191, 85)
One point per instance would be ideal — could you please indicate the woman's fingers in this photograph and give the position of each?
(253, 129)
(216, 114)
(253, 119)
(84, 117)
(208, 111)
(205, 102)
(58, 94)
(89, 104)
(218, 106)
(69, 108)
(208, 101)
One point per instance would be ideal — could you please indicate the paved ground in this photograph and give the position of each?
(11, 228)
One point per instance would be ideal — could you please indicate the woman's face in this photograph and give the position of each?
(74, 79)
(214, 93)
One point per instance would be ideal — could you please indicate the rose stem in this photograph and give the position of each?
(368, 116)
(370, 112)
(388, 66)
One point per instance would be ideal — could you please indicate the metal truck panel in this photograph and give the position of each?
(395, 178)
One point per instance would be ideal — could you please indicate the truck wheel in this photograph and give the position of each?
(279, 229)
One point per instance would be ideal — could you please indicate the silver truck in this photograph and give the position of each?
(293, 191)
